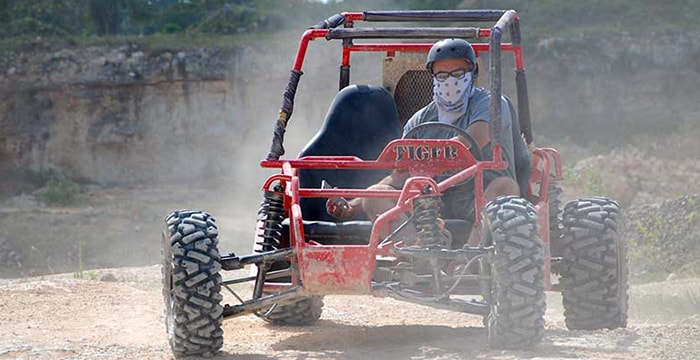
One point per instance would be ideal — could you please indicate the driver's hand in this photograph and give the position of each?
(339, 208)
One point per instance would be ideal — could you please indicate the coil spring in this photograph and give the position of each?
(271, 214)
(426, 214)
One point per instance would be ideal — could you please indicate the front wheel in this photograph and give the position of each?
(517, 299)
(192, 284)
(594, 266)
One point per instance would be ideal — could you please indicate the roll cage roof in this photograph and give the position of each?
(342, 27)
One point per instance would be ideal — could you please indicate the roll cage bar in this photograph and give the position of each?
(330, 29)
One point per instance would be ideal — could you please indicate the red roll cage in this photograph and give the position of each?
(421, 171)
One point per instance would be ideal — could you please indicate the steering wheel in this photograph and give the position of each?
(474, 148)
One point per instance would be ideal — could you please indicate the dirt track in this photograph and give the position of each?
(60, 317)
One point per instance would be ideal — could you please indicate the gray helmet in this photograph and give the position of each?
(452, 49)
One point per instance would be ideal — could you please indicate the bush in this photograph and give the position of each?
(59, 191)
(663, 238)
(171, 28)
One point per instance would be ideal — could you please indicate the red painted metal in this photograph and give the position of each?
(540, 172)
(345, 61)
(277, 177)
(391, 48)
(421, 157)
(423, 47)
(348, 269)
(518, 55)
(304, 44)
(354, 16)
(401, 47)
(554, 157)
(349, 193)
(337, 269)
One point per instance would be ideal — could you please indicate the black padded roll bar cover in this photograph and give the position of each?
(505, 22)
(495, 86)
(524, 120)
(330, 23)
(277, 147)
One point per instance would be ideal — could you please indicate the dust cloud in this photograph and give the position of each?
(203, 140)
(141, 151)
(263, 77)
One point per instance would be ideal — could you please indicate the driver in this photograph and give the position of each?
(456, 101)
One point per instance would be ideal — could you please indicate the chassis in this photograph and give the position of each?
(527, 243)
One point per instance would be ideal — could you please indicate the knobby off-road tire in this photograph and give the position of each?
(192, 284)
(517, 298)
(303, 312)
(594, 267)
(556, 228)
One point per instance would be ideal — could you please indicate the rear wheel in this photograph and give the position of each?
(192, 284)
(517, 299)
(554, 192)
(594, 267)
(305, 311)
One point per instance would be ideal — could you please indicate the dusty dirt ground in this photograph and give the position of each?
(60, 317)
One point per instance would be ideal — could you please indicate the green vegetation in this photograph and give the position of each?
(86, 18)
(587, 178)
(59, 191)
(549, 17)
(663, 240)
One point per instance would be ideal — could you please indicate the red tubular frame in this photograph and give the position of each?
(329, 269)
(391, 48)
(347, 269)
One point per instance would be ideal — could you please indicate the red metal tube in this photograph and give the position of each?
(354, 16)
(544, 182)
(348, 193)
(518, 55)
(345, 61)
(554, 155)
(304, 44)
(419, 47)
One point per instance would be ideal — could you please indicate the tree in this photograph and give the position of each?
(142, 13)
(105, 15)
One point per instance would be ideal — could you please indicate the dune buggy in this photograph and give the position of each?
(527, 244)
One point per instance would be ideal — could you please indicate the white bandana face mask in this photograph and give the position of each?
(452, 97)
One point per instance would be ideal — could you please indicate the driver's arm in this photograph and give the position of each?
(394, 180)
(479, 130)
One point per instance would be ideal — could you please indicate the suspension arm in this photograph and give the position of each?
(251, 306)
(233, 262)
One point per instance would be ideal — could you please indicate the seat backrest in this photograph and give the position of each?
(361, 120)
(414, 90)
